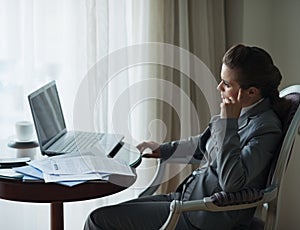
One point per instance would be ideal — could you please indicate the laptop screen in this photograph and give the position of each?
(47, 114)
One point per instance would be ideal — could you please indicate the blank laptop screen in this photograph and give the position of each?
(47, 113)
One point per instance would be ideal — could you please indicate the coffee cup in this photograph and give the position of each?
(24, 131)
(28, 152)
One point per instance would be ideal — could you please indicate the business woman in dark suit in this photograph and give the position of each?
(238, 145)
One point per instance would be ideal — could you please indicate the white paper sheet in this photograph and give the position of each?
(31, 173)
(83, 165)
(76, 167)
(68, 178)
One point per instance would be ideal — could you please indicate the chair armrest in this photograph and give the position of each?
(221, 201)
(158, 176)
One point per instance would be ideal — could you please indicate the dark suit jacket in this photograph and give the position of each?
(240, 155)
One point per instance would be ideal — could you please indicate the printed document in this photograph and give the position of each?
(89, 164)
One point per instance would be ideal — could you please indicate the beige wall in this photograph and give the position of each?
(274, 25)
(271, 24)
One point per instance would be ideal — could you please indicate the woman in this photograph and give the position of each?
(239, 145)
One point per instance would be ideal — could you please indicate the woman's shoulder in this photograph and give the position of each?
(268, 118)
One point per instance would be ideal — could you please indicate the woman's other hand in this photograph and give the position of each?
(149, 145)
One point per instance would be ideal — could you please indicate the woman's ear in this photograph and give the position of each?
(251, 95)
(253, 92)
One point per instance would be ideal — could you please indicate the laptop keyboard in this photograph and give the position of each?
(79, 141)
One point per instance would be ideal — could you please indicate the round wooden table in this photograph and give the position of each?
(39, 192)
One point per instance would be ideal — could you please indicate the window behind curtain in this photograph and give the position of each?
(42, 41)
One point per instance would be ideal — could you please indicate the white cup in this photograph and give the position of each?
(24, 131)
(30, 152)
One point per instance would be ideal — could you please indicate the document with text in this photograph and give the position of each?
(80, 167)
(89, 164)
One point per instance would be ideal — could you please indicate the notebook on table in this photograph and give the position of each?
(51, 131)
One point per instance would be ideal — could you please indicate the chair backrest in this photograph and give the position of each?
(291, 129)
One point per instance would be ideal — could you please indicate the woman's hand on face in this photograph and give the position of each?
(149, 145)
(231, 107)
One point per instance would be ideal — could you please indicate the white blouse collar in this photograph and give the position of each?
(246, 109)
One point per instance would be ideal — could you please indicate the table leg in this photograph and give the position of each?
(57, 216)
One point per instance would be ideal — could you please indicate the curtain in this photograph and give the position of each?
(44, 40)
(40, 41)
(37, 45)
(199, 28)
(173, 70)
(121, 66)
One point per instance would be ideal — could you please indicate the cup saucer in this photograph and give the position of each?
(24, 141)
(13, 142)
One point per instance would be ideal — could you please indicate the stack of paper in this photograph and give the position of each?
(72, 169)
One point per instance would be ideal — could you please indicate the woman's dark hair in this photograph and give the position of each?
(256, 68)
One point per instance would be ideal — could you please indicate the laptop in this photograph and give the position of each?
(51, 131)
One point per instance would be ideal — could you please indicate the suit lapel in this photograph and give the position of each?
(263, 106)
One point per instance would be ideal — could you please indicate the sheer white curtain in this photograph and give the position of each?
(40, 41)
(192, 38)
(62, 40)
(79, 44)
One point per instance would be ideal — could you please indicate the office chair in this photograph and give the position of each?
(267, 198)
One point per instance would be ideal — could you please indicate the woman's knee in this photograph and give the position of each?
(94, 220)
